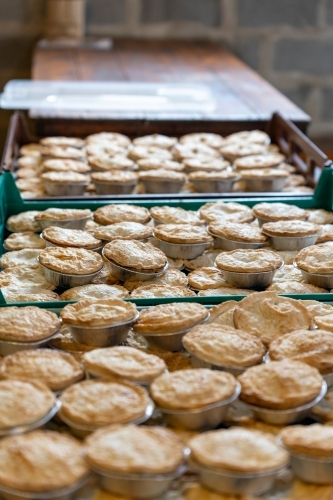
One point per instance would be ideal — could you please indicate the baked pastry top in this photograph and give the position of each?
(20, 241)
(102, 312)
(32, 149)
(171, 277)
(175, 215)
(209, 139)
(320, 216)
(135, 450)
(268, 316)
(259, 161)
(237, 232)
(263, 173)
(207, 259)
(248, 450)
(290, 228)
(17, 294)
(223, 314)
(66, 152)
(248, 136)
(27, 324)
(224, 345)
(135, 255)
(54, 214)
(139, 152)
(23, 402)
(187, 389)
(123, 230)
(317, 308)
(205, 278)
(161, 174)
(226, 211)
(64, 177)
(293, 286)
(74, 142)
(125, 362)
(26, 256)
(324, 322)
(109, 214)
(201, 175)
(316, 259)
(70, 237)
(170, 318)
(249, 261)
(315, 440)
(105, 163)
(287, 273)
(279, 211)
(154, 163)
(98, 291)
(55, 369)
(116, 176)
(66, 165)
(25, 276)
(47, 461)
(109, 138)
(314, 347)
(236, 150)
(25, 221)
(69, 260)
(205, 164)
(182, 233)
(182, 151)
(146, 291)
(280, 385)
(103, 402)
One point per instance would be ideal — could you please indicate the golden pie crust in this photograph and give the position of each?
(69, 260)
(152, 291)
(326, 233)
(119, 213)
(62, 141)
(288, 273)
(170, 318)
(25, 221)
(124, 362)
(279, 211)
(33, 294)
(280, 385)
(259, 161)
(188, 389)
(224, 345)
(248, 450)
(293, 286)
(208, 139)
(237, 232)
(238, 150)
(65, 166)
(102, 312)
(24, 257)
(66, 152)
(248, 136)
(157, 140)
(205, 278)
(268, 316)
(135, 450)
(27, 324)
(34, 184)
(103, 402)
(288, 256)
(20, 241)
(56, 369)
(317, 308)
(25, 277)
(104, 277)
(175, 215)
(316, 259)
(54, 214)
(51, 461)
(207, 259)
(110, 163)
(325, 322)
(265, 173)
(162, 175)
(155, 163)
(226, 211)
(123, 230)
(171, 277)
(320, 216)
(64, 177)
(314, 347)
(315, 440)
(136, 255)
(138, 152)
(205, 164)
(91, 291)
(223, 314)
(290, 228)
(202, 176)
(182, 233)
(110, 138)
(249, 261)
(115, 177)
(31, 149)
(70, 237)
(30, 161)
(23, 402)
(182, 151)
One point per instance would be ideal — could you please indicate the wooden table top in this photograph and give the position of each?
(241, 94)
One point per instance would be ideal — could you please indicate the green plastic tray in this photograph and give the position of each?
(11, 203)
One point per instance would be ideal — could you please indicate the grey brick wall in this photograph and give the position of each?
(289, 42)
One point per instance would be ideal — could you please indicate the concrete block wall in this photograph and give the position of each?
(289, 42)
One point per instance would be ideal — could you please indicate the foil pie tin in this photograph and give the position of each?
(227, 244)
(162, 186)
(66, 223)
(125, 273)
(114, 187)
(65, 189)
(182, 250)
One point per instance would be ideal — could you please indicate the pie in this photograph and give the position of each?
(103, 402)
(259, 161)
(248, 450)
(288, 256)
(175, 215)
(264, 173)
(316, 259)
(115, 177)
(19, 241)
(27, 324)
(162, 175)
(156, 140)
(25, 276)
(182, 151)
(123, 230)
(324, 322)
(25, 221)
(67, 177)
(237, 232)
(55, 214)
(236, 150)
(62, 141)
(189, 389)
(170, 318)
(249, 261)
(280, 385)
(290, 229)
(124, 362)
(56, 369)
(182, 233)
(317, 308)
(171, 277)
(18, 294)
(65, 342)
(65, 166)
(55, 461)
(23, 402)
(320, 216)
(223, 314)
(106, 163)
(34, 184)
(24, 257)
(70, 237)
(314, 440)
(135, 255)
(67, 260)
(102, 312)
(326, 233)
(212, 176)
(109, 138)
(224, 290)
(66, 152)
(293, 286)
(248, 136)
(30, 161)
(208, 139)
(314, 347)
(91, 291)
(152, 291)
(224, 346)
(207, 259)
(226, 211)
(109, 214)
(205, 164)
(155, 162)
(32, 149)
(104, 277)
(268, 316)
(205, 278)
(288, 273)
(135, 450)
(138, 152)
(279, 211)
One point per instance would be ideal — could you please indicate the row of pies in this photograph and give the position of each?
(110, 163)
(124, 234)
